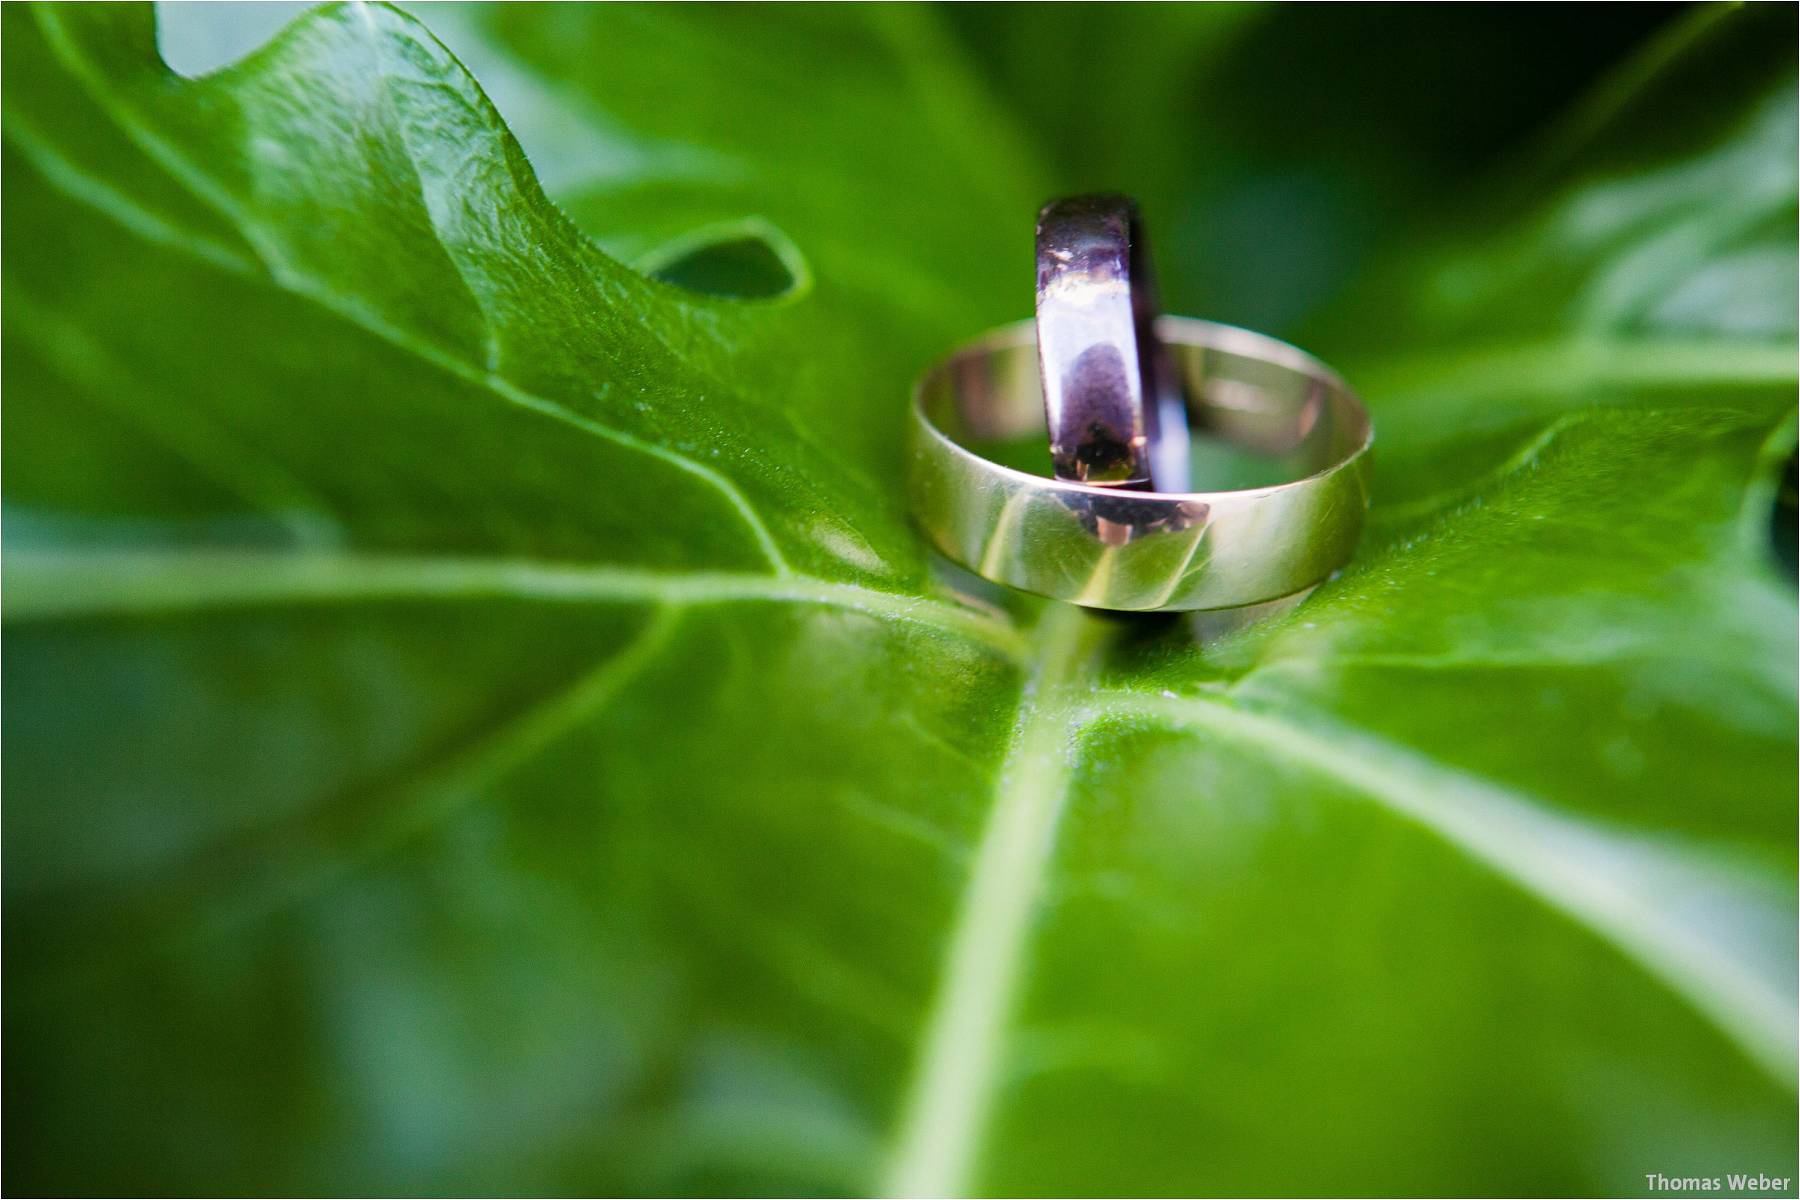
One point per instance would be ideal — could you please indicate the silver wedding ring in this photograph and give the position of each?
(1114, 416)
(1112, 392)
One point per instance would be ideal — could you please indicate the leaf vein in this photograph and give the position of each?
(58, 585)
(1623, 890)
(352, 310)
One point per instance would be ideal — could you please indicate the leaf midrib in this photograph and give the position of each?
(958, 1062)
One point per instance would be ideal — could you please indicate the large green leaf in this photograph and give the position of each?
(481, 721)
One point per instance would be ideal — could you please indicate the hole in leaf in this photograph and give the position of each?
(747, 260)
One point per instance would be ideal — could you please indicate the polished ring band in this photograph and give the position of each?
(1112, 410)
(1123, 548)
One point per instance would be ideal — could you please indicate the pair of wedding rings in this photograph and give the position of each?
(1119, 396)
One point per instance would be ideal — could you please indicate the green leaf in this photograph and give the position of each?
(480, 720)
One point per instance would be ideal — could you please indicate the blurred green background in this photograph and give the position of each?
(480, 721)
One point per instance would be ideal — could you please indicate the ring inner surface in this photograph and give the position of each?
(1257, 420)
